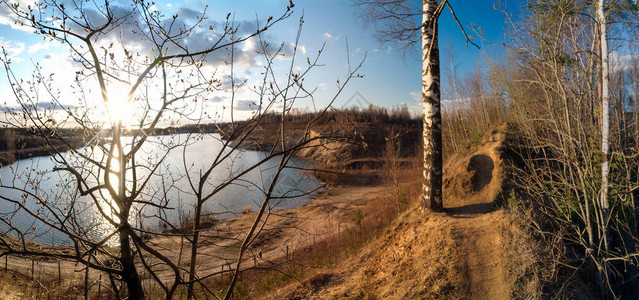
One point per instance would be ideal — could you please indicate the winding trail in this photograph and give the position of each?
(477, 228)
(463, 253)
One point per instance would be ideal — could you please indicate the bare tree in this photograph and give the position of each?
(105, 194)
(554, 99)
(605, 116)
(395, 21)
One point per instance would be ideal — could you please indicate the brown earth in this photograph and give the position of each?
(286, 230)
(463, 253)
(289, 230)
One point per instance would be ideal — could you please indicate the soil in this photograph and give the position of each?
(286, 230)
(478, 228)
(462, 253)
(479, 236)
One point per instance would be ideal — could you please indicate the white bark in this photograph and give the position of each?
(432, 189)
(605, 120)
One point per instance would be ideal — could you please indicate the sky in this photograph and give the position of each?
(390, 78)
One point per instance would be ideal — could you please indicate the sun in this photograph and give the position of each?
(118, 108)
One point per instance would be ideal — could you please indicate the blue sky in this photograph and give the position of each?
(390, 79)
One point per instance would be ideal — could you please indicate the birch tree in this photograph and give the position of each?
(605, 118)
(398, 20)
(576, 151)
(432, 118)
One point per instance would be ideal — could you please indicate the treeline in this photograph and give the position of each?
(187, 128)
(13, 139)
(23, 143)
(370, 114)
(368, 128)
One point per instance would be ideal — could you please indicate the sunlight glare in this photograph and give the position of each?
(110, 208)
(115, 169)
(118, 108)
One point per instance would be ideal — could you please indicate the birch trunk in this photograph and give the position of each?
(605, 132)
(605, 122)
(432, 133)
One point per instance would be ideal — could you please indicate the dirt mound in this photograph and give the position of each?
(481, 166)
(474, 182)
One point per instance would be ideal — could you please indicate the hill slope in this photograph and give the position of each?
(465, 252)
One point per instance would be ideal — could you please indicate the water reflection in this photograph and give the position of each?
(108, 210)
(167, 187)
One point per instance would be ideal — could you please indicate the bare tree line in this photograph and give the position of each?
(557, 83)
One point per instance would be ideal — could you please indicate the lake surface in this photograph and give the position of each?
(167, 186)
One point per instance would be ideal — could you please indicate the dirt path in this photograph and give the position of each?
(477, 228)
(464, 253)
(480, 241)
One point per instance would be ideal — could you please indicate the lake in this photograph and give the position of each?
(167, 191)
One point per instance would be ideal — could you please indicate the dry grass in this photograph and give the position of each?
(412, 259)
(306, 267)
(473, 250)
(45, 285)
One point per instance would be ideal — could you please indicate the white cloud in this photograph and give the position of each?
(329, 37)
(622, 61)
(130, 32)
(250, 45)
(39, 46)
(417, 96)
(246, 105)
(299, 47)
(13, 48)
(415, 110)
(302, 48)
(7, 17)
(446, 103)
(217, 99)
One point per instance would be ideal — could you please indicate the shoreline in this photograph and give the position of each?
(286, 232)
(327, 214)
(12, 156)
